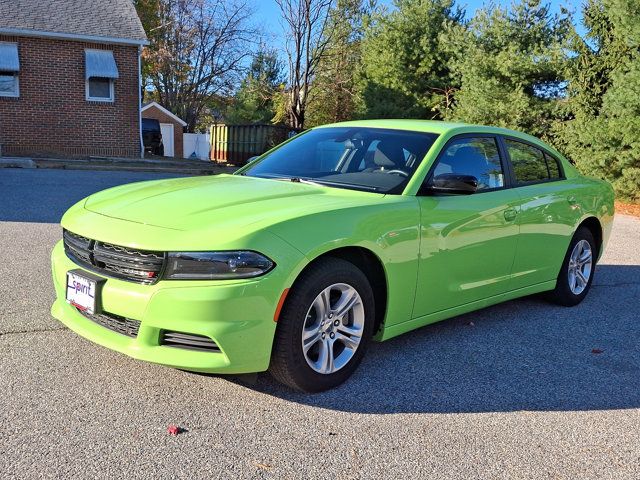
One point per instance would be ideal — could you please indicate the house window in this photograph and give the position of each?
(9, 84)
(101, 72)
(9, 68)
(100, 89)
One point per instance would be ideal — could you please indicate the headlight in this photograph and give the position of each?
(216, 265)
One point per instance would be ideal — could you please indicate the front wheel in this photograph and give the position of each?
(324, 327)
(576, 274)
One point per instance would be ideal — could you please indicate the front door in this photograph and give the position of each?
(468, 241)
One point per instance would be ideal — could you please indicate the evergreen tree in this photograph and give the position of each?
(601, 129)
(405, 60)
(254, 101)
(510, 64)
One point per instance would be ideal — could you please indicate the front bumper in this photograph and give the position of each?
(237, 315)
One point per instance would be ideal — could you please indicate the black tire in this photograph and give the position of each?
(562, 294)
(288, 363)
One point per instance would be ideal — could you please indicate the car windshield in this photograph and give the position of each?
(370, 159)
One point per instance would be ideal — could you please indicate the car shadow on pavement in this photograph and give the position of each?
(525, 354)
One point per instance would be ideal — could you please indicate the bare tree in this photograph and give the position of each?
(197, 53)
(306, 23)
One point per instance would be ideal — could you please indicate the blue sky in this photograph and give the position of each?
(267, 15)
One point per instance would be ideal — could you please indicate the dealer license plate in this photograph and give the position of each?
(82, 292)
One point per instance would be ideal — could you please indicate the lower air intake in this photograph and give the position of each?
(188, 341)
(115, 323)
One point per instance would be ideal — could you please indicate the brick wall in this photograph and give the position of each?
(178, 130)
(52, 117)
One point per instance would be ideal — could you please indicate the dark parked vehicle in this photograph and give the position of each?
(152, 136)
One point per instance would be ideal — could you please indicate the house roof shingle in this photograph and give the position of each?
(112, 19)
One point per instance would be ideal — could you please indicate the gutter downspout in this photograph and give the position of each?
(140, 101)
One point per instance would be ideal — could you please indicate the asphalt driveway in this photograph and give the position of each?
(511, 391)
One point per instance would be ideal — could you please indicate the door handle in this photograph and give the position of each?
(572, 200)
(510, 214)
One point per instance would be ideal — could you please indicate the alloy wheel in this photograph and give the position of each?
(333, 328)
(580, 266)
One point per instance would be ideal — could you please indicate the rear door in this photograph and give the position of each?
(467, 241)
(548, 212)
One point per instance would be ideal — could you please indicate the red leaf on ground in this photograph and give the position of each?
(596, 351)
(628, 208)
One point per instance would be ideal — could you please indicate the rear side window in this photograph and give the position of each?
(529, 164)
(553, 166)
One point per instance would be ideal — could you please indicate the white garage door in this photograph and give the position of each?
(167, 138)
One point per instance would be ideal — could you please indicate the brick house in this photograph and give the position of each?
(70, 78)
(171, 125)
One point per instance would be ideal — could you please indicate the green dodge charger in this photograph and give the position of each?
(343, 234)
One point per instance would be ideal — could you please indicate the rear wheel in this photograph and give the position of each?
(324, 328)
(576, 274)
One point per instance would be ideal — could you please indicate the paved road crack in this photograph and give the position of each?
(40, 330)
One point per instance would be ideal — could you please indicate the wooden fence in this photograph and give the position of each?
(235, 144)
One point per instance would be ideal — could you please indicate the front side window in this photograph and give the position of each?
(8, 84)
(359, 158)
(478, 157)
(100, 89)
(529, 164)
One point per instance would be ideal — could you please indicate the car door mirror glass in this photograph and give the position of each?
(453, 183)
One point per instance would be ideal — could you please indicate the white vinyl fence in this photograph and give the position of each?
(196, 142)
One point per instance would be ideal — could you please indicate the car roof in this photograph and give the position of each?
(435, 126)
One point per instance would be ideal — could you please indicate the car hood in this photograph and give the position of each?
(231, 201)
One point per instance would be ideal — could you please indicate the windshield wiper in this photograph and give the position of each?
(353, 186)
(325, 183)
(299, 180)
(304, 180)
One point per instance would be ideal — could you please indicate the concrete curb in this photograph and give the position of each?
(16, 162)
(105, 163)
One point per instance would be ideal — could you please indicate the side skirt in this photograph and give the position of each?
(395, 330)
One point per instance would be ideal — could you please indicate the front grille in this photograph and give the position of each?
(78, 246)
(141, 266)
(115, 323)
(189, 341)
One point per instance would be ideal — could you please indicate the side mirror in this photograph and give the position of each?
(452, 183)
